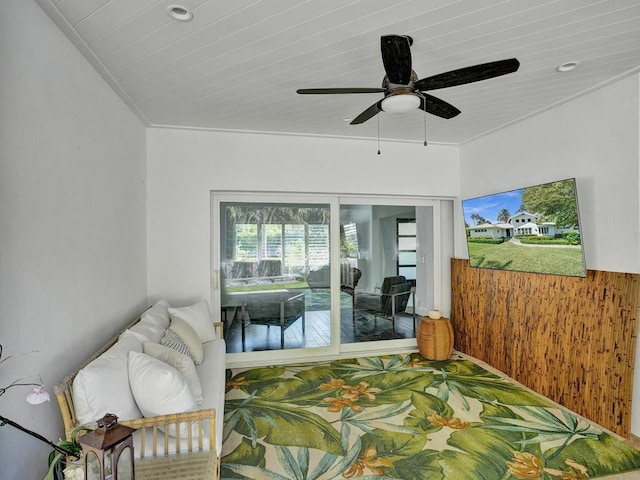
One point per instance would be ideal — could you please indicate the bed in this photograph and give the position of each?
(401, 416)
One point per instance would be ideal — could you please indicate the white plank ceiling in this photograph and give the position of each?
(238, 63)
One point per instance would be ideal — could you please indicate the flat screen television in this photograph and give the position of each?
(531, 229)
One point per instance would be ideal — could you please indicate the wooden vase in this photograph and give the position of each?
(435, 338)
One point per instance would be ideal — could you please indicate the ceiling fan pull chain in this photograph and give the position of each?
(423, 103)
(425, 128)
(378, 134)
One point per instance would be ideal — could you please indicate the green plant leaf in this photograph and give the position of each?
(603, 456)
(231, 419)
(371, 366)
(331, 466)
(280, 424)
(455, 391)
(290, 464)
(246, 454)
(393, 445)
(375, 418)
(543, 425)
(469, 380)
(52, 465)
(397, 387)
(302, 389)
(488, 389)
(480, 453)
(250, 472)
(258, 379)
(296, 391)
(543, 438)
(393, 387)
(426, 405)
(71, 445)
(423, 465)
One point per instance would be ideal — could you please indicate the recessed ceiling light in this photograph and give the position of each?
(180, 13)
(568, 66)
(347, 119)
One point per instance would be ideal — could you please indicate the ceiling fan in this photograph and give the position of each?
(403, 91)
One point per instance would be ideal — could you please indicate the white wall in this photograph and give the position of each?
(185, 165)
(72, 221)
(594, 138)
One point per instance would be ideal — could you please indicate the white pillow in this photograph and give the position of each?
(199, 317)
(159, 389)
(138, 336)
(183, 363)
(103, 385)
(158, 314)
(172, 340)
(151, 332)
(189, 337)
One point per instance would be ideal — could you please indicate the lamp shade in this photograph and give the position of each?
(400, 103)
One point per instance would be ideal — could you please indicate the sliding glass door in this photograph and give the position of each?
(301, 275)
(387, 249)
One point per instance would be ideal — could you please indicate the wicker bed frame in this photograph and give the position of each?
(197, 463)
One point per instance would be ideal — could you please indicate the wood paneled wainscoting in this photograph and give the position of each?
(570, 339)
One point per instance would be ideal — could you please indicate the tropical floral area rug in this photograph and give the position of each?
(403, 417)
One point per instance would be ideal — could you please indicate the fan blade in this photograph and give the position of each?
(471, 74)
(339, 90)
(370, 112)
(438, 107)
(396, 57)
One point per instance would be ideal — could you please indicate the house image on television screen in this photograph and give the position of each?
(503, 233)
(523, 223)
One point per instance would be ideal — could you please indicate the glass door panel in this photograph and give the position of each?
(385, 253)
(274, 276)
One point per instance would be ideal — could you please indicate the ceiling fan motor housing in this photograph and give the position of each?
(392, 87)
(400, 98)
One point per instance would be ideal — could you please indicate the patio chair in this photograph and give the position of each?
(274, 309)
(392, 300)
(349, 277)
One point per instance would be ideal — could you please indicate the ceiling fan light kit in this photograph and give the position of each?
(400, 103)
(402, 90)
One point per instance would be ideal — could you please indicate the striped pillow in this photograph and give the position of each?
(172, 340)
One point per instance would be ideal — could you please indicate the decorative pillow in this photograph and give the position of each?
(172, 340)
(158, 314)
(103, 385)
(183, 363)
(199, 317)
(138, 336)
(189, 337)
(150, 332)
(159, 389)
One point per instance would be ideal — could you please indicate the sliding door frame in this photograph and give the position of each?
(335, 349)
